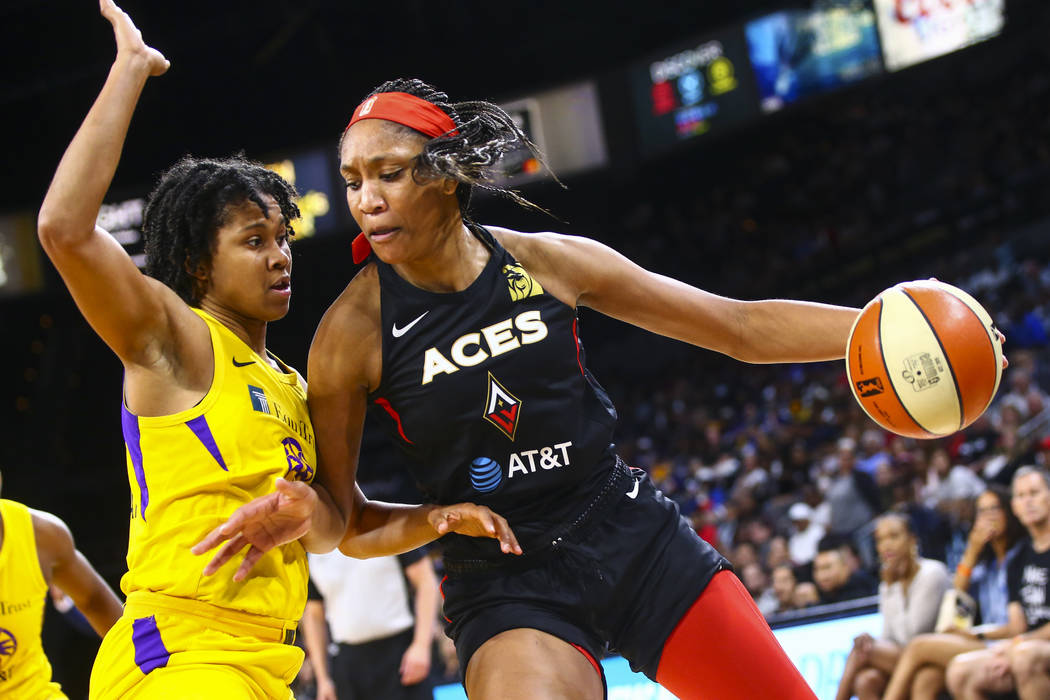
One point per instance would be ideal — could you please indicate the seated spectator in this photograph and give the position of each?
(802, 545)
(834, 579)
(756, 581)
(919, 674)
(777, 552)
(784, 584)
(1021, 662)
(909, 600)
(806, 594)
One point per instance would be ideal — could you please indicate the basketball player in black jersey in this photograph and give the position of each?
(463, 339)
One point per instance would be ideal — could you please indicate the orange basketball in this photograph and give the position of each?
(924, 359)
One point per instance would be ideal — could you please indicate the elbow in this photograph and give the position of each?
(53, 230)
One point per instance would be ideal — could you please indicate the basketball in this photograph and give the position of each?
(924, 359)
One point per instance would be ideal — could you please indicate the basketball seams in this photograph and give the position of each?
(893, 385)
(944, 351)
(968, 302)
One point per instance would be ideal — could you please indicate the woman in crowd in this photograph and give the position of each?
(919, 674)
(909, 599)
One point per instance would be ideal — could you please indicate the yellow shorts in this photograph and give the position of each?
(166, 647)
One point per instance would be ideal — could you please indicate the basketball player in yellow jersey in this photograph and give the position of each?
(36, 550)
(211, 420)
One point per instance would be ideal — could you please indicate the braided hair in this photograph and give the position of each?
(485, 134)
(190, 204)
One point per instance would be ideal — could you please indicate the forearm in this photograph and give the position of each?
(102, 610)
(964, 570)
(315, 638)
(380, 529)
(1006, 631)
(426, 609)
(1039, 633)
(778, 330)
(327, 526)
(84, 174)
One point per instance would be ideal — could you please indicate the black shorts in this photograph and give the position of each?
(619, 577)
(373, 670)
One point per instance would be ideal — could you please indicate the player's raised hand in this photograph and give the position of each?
(474, 521)
(129, 38)
(261, 524)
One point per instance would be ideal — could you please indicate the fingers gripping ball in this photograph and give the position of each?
(924, 359)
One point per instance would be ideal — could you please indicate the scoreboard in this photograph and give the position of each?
(692, 89)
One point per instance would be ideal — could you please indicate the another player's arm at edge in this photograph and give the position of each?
(64, 565)
(584, 272)
(344, 365)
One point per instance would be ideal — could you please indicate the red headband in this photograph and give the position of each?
(415, 113)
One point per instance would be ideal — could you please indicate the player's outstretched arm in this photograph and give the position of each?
(379, 529)
(93, 265)
(581, 271)
(66, 567)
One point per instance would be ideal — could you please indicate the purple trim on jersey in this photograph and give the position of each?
(150, 652)
(199, 426)
(129, 424)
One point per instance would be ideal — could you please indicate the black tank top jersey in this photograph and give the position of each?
(487, 391)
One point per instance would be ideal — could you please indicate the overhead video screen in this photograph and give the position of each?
(913, 31)
(692, 89)
(798, 53)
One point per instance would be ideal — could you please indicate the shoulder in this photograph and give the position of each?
(566, 266)
(355, 311)
(52, 535)
(540, 247)
(348, 338)
(934, 571)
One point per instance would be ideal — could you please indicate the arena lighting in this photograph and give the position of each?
(20, 269)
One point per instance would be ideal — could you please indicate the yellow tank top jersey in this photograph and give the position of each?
(25, 673)
(190, 471)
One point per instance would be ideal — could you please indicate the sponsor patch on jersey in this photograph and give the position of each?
(485, 474)
(8, 647)
(502, 408)
(520, 283)
(298, 469)
(259, 402)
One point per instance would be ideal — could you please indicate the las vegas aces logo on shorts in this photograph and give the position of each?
(502, 408)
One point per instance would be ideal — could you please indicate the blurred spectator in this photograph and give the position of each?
(835, 582)
(950, 489)
(920, 673)
(777, 552)
(807, 534)
(1021, 662)
(909, 599)
(852, 494)
(756, 581)
(873, 455)
(784, 583)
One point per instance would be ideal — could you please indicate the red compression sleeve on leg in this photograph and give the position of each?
(724, 650)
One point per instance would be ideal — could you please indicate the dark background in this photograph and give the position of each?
(271, 77)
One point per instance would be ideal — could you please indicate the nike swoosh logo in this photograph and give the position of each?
(242, 364)
(398, 332)
(633, 493)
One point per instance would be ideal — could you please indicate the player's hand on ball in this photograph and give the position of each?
(474, 521)
(262, 524)
(129, 38)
